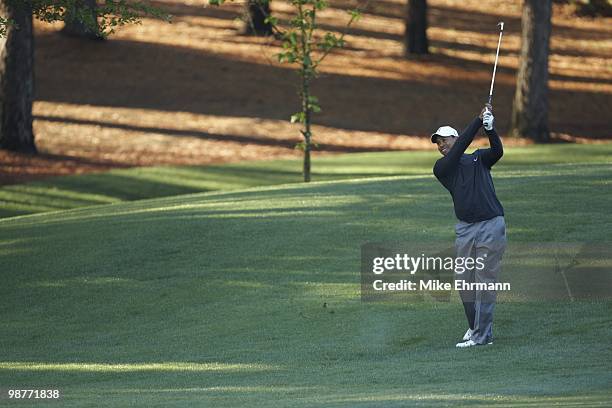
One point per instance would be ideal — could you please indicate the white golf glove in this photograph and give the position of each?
(488, 120)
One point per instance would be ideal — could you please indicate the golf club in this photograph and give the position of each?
(501, 33)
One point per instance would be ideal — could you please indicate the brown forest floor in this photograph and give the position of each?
(194, 92)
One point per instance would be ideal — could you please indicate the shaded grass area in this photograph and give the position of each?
(251, 298)
(149, 182)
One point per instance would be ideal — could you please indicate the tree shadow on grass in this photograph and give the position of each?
(68, 192)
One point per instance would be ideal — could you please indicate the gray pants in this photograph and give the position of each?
(485, 240)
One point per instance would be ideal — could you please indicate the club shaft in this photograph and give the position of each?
(501, 33)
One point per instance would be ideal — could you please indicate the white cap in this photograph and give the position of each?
(444, 131)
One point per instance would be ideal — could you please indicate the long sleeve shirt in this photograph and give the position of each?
(468, 176)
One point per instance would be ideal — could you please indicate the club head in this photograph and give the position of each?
(501, 25)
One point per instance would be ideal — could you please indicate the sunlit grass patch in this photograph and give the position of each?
(135, 367)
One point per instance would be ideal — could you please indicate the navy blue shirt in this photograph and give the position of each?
(468, 176)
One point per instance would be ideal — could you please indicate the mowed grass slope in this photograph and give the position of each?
(251, 298)
(59, 193)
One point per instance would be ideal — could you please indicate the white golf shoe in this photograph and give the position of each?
(467, 335)
(469, 343)
(466, 344)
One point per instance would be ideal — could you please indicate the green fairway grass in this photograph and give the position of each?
(251, 298)
(66, 192)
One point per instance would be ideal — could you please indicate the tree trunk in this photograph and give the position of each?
(256, 14)
(17, 79)
(530, 110)
(415, 41)
(81, 21)
(307, 132)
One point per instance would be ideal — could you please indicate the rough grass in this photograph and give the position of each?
(67, 192)
(251, 298)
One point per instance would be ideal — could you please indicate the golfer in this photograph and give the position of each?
(481, 230)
